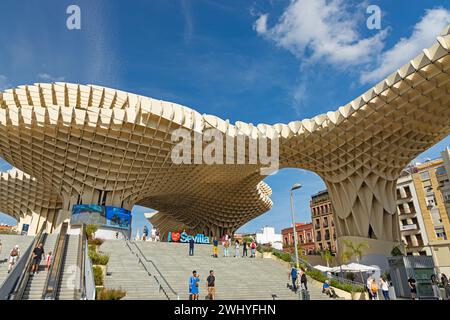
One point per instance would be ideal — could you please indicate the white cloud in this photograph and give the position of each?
(3, 82)
(323, 30)
(423, 35)
(49, 77)
(261, 24)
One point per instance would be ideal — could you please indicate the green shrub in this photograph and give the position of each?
(111, 294)
(92, 247)
(98, 275)
(90, 230)
(98, 258)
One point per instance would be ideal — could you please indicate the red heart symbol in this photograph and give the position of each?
(175, 236)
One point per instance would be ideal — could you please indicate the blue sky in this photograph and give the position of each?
(256, 61)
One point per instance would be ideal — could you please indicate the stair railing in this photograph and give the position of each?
(81, 262)
(14, 286)
(55, 272)
(161, 288)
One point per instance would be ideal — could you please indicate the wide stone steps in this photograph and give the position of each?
(236, 278)
(8, 242)
(127, 274)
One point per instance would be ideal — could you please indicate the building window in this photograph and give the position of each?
(425, 175)
(419, 240)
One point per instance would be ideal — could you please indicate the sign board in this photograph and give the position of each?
(183, 237)
(107, 216)
(25, 228)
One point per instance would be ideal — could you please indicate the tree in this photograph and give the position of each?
(327, 256)
(396, 252)
(90, 230)
(354, 250)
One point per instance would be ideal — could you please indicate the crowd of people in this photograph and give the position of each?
(226, 242)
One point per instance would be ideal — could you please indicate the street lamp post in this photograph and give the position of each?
(294, 187)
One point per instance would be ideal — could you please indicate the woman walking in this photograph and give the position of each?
(236, 248)
(385, 288)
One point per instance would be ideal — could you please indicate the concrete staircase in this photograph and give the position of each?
(236, 278)
(69, 282)
(8, 242)
(127, 274)
(36, 283)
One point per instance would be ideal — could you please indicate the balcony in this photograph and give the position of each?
(408, 227)
(325, 224)
(327, 237)
(318, 238)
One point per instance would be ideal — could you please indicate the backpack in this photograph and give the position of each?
(14, 252)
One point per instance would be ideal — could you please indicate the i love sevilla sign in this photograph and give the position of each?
(184, 237)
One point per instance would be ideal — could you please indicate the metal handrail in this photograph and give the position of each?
(156, 268)
(54, 274)
(81, 260)
(21, 284)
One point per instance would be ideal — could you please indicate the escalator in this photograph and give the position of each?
(70, 276)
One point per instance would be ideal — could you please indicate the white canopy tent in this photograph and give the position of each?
(354, 267)
(322, 268)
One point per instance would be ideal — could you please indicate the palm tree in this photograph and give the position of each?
(327, 256)
(354, 249)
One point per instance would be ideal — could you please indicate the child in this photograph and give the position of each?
(48, 261)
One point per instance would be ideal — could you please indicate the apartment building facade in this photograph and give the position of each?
(305, 236)
(322, 221)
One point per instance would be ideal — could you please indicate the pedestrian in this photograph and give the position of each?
(236, 248)
(215, 247)
(37, 257)
(446, 285)
(244, 248)
(117, 235)
(14, 256)
(369, 286)
(191, 246)
(210, 285)
(328, 290)
(253, 249)
(385, 288)
(226, 245)
(304, 280)
(193, 286)
(145, 233)
(293, 275)
(412, 286)
(48, 261)
(374, 289)
(434, 285)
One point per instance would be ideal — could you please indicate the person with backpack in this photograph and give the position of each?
(293, 275)
(226, 245)
(304, 280)
(253, 249)
(374, 289)
(14, 256)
